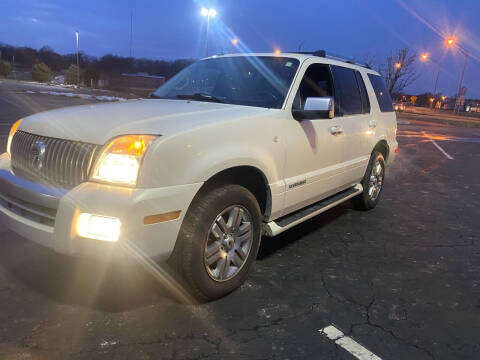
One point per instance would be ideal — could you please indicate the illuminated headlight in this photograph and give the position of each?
(98, 227)
(119, 162)
(13, 130)
(118, 168)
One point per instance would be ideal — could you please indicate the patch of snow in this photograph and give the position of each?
(109, 98)
(106, 343)
(81, 96)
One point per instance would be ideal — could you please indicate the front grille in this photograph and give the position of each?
(63, 163)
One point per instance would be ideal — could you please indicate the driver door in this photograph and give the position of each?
(314, 147)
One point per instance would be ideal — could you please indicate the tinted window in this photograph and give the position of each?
(383, 97)
(317, 82)
(347, 92)
(363, 93)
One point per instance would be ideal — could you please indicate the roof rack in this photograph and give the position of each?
(323, 53)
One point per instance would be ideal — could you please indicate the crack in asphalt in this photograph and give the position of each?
(171, 339)
(369, 321)
(166, 339)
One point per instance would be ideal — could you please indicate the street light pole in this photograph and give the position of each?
(208, 13)
(426, 57)
(460, 84)
(78, 61)
(206, 41)
(436, 79)
(452, 42)
(13, 68)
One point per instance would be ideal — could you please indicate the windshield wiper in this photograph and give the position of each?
(200, 97)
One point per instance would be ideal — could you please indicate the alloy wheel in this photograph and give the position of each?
(229, 242)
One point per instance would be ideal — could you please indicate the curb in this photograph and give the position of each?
(3, 143)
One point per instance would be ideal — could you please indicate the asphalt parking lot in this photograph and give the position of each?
(402, 280)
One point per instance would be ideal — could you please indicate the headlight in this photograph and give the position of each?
(119, 162)
(13, 130)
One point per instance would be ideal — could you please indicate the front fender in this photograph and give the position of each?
(197, 155)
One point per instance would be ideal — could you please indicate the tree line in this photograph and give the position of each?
(92, 67)
(399, 69)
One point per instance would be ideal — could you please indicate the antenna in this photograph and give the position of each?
(131, 31)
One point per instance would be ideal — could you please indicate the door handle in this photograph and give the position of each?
(336, 130)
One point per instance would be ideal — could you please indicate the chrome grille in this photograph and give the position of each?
(64, 163)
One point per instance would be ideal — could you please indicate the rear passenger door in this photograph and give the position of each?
(313, 151)
(353, 112)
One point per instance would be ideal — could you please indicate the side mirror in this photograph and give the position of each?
(316, 108)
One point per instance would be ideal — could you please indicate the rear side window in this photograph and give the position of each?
(363, 94)
(381, 92)
(347, 92)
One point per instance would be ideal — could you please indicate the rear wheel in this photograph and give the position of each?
(218, 241)
(372, 183)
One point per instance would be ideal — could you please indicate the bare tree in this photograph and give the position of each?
(399, 70)
(369, 60)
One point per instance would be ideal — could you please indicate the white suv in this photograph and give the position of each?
(231, 148)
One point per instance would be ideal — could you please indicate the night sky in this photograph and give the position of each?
(175, 29)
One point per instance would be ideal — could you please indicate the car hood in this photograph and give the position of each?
(97, 123)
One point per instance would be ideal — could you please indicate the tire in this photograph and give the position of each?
(202, 230)
(370, 196)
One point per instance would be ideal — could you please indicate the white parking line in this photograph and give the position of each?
(441, 150)
(438, 147)
(348, 343)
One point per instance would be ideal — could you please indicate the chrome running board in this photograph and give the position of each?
(284, 223)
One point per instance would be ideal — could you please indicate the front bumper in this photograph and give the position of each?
(48, 215)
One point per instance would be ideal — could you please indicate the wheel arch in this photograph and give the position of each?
(383, 148)
(247, 176)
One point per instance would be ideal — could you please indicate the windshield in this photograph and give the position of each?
(242, 80)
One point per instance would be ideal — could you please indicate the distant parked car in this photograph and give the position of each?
(399, 106)
(58, 80)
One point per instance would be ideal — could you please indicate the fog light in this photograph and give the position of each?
(98, 227)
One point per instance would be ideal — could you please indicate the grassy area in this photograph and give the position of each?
(439, 119)
(444, 114)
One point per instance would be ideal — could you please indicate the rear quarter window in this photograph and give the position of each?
(381, 92)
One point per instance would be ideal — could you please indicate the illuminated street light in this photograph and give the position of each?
(209, 13)
(398, 65)
(277, 52)
(424, 57)
(443, 98)
(234, 42)
(450, 41)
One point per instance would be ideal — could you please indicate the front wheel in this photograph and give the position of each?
(372, 183)
(218, 241)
